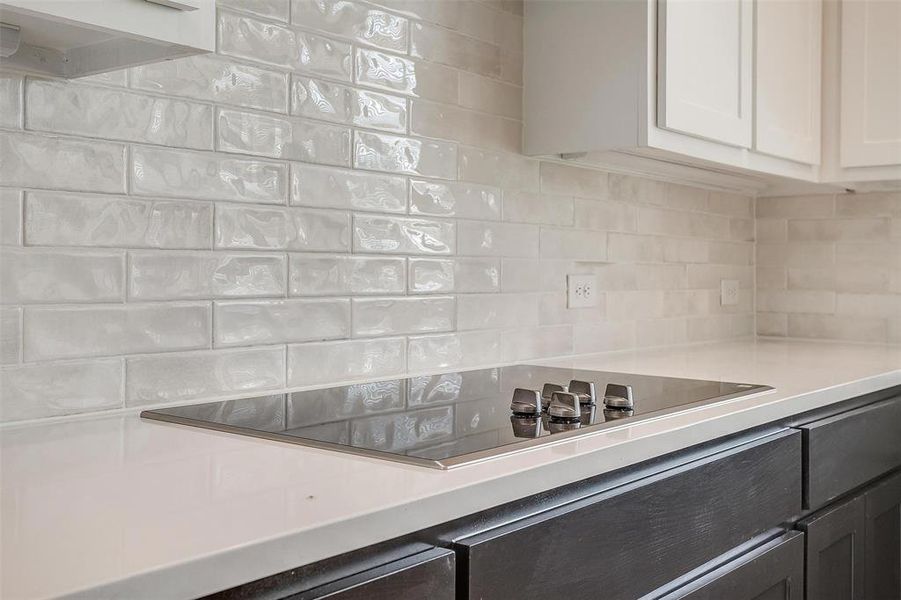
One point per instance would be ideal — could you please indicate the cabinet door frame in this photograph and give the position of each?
(677, 114)
(769, 138)
(883, 497)
(827, 527)
(855, 149)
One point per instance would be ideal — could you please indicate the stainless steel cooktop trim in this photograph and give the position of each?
(462, 459)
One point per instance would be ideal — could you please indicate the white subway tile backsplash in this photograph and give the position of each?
(174, 173)
(57, 389)
(453, 350)
(48, 162)
(397, 316)
(245, 37)
(193, 275)
(410, 156)
(326, 362)
(354, 20)
(10, 334)
(66, 332)
(10, 217)
(327, 187)
(299, 229)
(331, 275)
(213, 79)
(405, 76)
(189, 375)
(398, 235)
(258, 322)
(338, 193)
(497, 239)
(63, 219)
(11, 100)
(338, 103)
(798, 207)
(278, 137)
(868, 206)
(117, 114)
(455, 199)
(431, 275)
(51, 276)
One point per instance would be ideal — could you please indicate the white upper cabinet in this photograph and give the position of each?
(75, 38)
(870, 77)
(704, 69)
(787, 77)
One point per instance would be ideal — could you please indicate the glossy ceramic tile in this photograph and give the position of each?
(57, 389)
(63, 332)
(215, 79)
(11, 100)
(449, 122)
(396, 316)
(246, 37)
(295, 139)
(453, 350)
(411, 156)
(406, 76)
(10, 335)
(491, 96)
(84, 165)
(257, 322)
(327, 187)
(330, 275)
(50, 276)
(173, 173)
(497, 239)
(527, 344)
(353, 20)
(189, 275)
(298, 229)
(431, 275)
(309, 364)
(501, 169)
(496, 311)
(397, 235)
(452, 49)
(60, 219)
(185, 376)
(463, 200)
(573, 244)
(529, 207)
(10, 217)
(117, 114)
(319, 99)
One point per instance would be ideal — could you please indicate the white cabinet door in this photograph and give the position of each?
(704, 68)
(787, 67)
(871, 83)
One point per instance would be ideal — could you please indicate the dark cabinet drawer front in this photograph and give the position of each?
(774, 571)
(629, 541)
(849, 449)
(426, 575)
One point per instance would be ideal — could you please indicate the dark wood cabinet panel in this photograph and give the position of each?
(835, 551)
(847, 450)
(631, 540)
(883, 540)
(773, 571)
(426, 575)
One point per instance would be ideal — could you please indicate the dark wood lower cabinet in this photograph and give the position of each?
(835, 551)
(883, 540)
(772, 571)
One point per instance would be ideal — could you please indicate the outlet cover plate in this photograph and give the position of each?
(581, 291)
(729, 292)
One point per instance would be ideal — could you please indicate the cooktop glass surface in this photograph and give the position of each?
(444, 420)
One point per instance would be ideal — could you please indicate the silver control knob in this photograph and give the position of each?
(526, 402)
(584, 390)
(618, 396)
(548, 390)
(564, 405)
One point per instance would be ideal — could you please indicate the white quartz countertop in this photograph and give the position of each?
(119, 507)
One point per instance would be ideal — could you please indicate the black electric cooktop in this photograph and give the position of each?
(452, 419)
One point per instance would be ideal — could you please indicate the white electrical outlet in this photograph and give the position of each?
(728, 292)
(581, 291)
